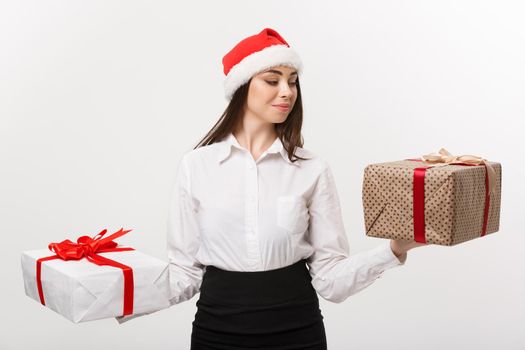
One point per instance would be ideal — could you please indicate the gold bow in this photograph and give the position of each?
(444, 158)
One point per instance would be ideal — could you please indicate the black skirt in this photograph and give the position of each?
(275, 309)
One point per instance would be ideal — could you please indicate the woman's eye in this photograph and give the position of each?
(276, 82)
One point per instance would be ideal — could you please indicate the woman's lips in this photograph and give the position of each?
(282, 108)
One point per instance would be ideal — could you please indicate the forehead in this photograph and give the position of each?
(280, 70)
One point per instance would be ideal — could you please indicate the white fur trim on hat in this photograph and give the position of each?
(275, 55)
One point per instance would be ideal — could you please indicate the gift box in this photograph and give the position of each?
(436, 199)
(87, 280)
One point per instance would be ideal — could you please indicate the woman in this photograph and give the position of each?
(255, 224)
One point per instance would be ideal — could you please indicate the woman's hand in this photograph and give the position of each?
(400, 247)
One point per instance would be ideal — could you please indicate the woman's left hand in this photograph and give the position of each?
(400, 247)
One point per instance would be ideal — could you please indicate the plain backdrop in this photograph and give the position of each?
(99, 100)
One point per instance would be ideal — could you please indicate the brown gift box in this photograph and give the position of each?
(454, 201)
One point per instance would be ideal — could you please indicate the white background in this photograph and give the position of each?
(99, 100)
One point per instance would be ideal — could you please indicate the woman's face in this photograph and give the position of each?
(272, 94)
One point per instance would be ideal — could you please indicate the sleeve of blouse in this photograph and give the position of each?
(335, 274)
(183, 240)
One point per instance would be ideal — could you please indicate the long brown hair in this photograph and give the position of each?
(289, 131)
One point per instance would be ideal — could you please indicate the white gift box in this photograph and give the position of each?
(83, 291)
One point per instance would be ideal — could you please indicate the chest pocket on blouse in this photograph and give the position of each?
(292, 213)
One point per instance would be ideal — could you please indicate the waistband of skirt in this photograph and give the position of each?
(280, 285)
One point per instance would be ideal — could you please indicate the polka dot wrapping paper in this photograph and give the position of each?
(454, 202)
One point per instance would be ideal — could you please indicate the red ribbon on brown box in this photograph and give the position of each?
(444, 158)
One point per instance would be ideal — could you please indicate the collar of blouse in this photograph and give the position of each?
(225, 147)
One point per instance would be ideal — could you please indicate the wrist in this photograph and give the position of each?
(400, 254)
(396, 249)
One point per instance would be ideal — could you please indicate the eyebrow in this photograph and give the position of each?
(278, 72)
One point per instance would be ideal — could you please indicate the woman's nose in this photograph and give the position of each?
(285, 90)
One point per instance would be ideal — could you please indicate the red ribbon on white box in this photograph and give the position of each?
(87, 247)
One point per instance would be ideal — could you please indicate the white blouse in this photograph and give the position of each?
(241, 214)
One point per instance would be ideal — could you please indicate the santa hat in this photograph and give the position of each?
(255, 54)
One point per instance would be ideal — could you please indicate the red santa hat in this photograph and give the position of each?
(255, 54)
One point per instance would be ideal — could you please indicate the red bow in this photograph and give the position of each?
(87, 247)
